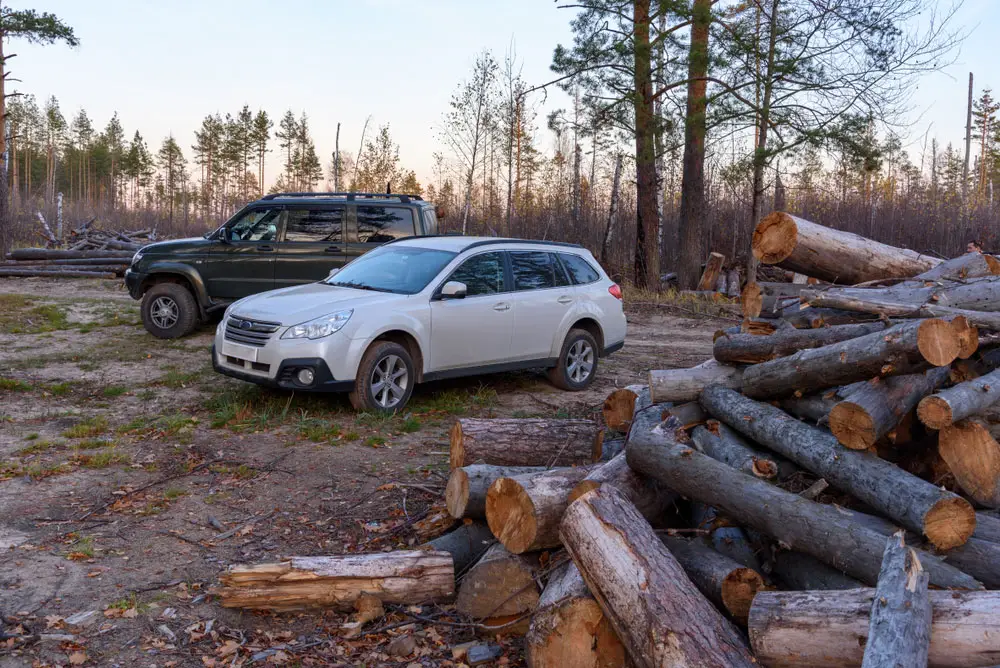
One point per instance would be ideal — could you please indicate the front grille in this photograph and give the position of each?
(249, 332)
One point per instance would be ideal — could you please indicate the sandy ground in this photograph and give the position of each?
(93, 410)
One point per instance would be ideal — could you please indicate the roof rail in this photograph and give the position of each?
(404, 199)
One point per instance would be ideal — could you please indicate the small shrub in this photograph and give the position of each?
(114, 391)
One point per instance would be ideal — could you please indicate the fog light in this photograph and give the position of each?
(305, 376)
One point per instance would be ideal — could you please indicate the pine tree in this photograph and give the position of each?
(287, 135)
(113, 138)
(378, 166)
(984, 125)
(172, 164)
(55, 131)
(82, 132)
(259, 137)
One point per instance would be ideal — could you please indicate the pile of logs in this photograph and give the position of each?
(817, 494)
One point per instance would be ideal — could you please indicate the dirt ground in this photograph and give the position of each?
(131, 475)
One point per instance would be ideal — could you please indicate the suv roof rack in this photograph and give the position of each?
(404, 199)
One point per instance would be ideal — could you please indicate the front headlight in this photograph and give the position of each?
(136, 258)
(320, 327)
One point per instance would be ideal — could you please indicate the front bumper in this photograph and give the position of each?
(284, 377)
(133, 281)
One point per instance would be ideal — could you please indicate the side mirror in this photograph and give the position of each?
(453, 290)
(333, 272)
(440, 212)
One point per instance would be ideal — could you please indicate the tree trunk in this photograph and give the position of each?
(796, 570)
(789, 629)
(832, 255)
(713, 268)
(874, 410)
(647, 255)
(619, 407)
(656, 610)
(945, 518)
(500, 584)
(46, 254)
(752, 348)
(906, 299)
(946, 407)
(466, 544)
(57, 273)
(689, 414)
(973, 457)
(901, 349)
(524, 511)
(816, 529)
(569, 629)
(720, 442)
(524, 442)
(648, 496)
(409, 577)
(963, 267)
(609, 229)
(465, 495)
(722, 580)
(686, 384)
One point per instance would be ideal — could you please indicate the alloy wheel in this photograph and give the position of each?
(580, 361)
(164, 312)
(389, 381)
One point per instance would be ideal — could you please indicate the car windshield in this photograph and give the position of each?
(403, 270)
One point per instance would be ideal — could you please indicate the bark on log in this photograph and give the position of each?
(790, 629)
(901, 349)
(873, 411)
(689, 414)
(524, 511)
(959, 402)
(649, 497)
(55, 273)
(722, 580)
(655, 609)
(796, 570)
(407, 577)
(619, 407)
(945, 518)
(685, 384)
(500, 584)
(720, 442)
(753, 349)
(569, 628)
(84, 262)
(611, 448)
(970, 265)
(46, 254)
(751, 301)
(899, 631)
(801, 316)
(973, 457)
(987, 528)
(803, 525)
(466, 544)
(832, 255)
(724, 537)
(523, 442)
(465, 495)
(713, 267)
(733, 284)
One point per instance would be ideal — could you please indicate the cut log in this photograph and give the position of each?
(901, 349)
(523, 442)
(466, 544)
(117, 262)
(465, 495)
(979, 558)
(500, 584)
(713, 268)
(720, 442)
(648, 496)
(874, 410)
(945, 518)
(685, 384)
(973, 457)
(56, 273)
(46, 254)
(733, 284)
(816, 407)
(654, 608)
(796, 570)
(832, 255)
(968, 336)
(752, 301)
(803, 525)
(987, 528)
(724, 537)
(752, 349)
(801, 316)
(611, 448)
(970, 265)
(961, 401)
(791, 629)
(569, 628)
(722, 580)
(619, 406)
(689, 414)
(524, 511)
(408, 577)
(899, 631)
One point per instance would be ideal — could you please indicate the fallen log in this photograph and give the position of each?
(961, 401)
(689, 414)
(862, 301)
(466, 544)
(802, 316)
(524, 442)
(733, 284)
(685, 384)
(972, 454)
(569, 628)
(901, 349)
(803, 525)
(968, 336)
(61, 269)
(643, 589)
(648, 496)
(790, 629)
(524, 511)
(47, 254)
(945, 518)
(611, 448)
(710, 276)
(874, 410)
(55, 273)
(799, 571)
(84, 262)
(500, 584)
(720, 442)
(987, 528)
(723, 581)
(752, 349)
(465, 494)
(832, 255)
(619, 407)
(969, 265)
(724, 537)
(408, 577)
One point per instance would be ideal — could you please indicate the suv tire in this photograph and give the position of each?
(383, 362)
(577, 364)
(169, 311)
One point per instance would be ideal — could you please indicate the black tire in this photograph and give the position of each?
(570, 378)
(383, 357)
(169, 311)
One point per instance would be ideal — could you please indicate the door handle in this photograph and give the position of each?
(565, 299)
(332, 249)
(265, 249)
(501, 307)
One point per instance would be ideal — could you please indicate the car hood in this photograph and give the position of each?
(176, 246)
(295, 305)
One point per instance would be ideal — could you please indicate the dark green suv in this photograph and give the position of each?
(280, 240)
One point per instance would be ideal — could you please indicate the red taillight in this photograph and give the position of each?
(615, 291)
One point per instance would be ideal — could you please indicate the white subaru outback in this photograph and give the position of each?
(427, 308)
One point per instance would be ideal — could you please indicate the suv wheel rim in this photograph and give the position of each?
(164, 312)
(580, 361)
(389, 381)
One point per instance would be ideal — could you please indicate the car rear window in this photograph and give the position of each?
(580, 271)
(378, 224)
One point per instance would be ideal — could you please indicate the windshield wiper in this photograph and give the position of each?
(359, 286)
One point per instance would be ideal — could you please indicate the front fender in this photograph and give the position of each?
(407, 323)
(160, 268)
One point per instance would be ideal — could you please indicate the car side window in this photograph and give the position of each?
(316, 225)
(532, 270)
(482, 274)
(378, 224)
(580, 271)
(562, 279)
(256, 225)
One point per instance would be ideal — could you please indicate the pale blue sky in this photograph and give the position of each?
(165, 65)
